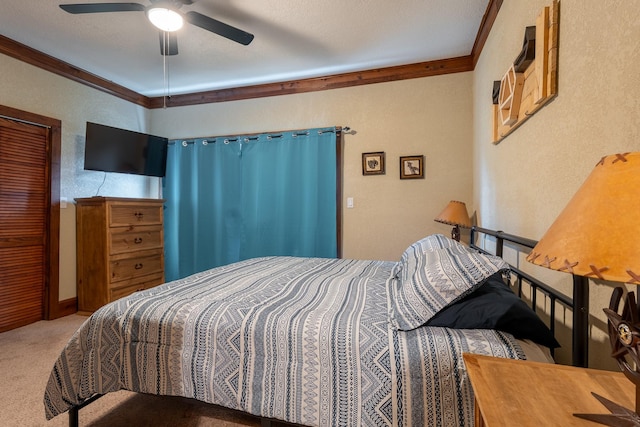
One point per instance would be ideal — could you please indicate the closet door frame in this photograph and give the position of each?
(53, 309)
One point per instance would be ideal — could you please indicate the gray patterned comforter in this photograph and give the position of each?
(305, 340)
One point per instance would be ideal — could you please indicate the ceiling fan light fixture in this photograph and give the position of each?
(165, 19)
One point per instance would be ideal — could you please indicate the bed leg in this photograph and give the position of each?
(265, 422)
(74, 420)
(73, 417)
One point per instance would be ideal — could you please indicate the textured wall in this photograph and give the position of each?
(28, 88)
(430, 116)
(522, 184)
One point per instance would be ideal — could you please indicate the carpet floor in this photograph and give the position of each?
(27, 355)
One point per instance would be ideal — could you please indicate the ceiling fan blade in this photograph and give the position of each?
(102, 7)
(168, 43)
(220, 28)
(182, 2)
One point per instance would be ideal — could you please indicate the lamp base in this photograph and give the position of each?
(455, 233)
(624, 335)
(619, 417)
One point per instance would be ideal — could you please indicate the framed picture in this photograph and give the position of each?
(411, 167)
(373, 163)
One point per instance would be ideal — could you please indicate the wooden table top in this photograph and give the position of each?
(515, 392)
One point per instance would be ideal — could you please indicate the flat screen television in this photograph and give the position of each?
(111, 149)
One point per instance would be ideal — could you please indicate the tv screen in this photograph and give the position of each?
(111, 149)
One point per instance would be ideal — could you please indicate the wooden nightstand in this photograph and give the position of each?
(515, 392)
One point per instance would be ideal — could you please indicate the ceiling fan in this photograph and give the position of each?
(167, 17)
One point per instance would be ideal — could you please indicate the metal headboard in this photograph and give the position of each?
(579, 304)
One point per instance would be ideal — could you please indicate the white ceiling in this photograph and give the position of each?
(294, 39)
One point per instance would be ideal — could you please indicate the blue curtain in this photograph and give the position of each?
(234, 198)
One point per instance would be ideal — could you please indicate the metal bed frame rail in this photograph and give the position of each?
(579, 304)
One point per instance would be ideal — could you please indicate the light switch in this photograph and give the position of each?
(349, 202)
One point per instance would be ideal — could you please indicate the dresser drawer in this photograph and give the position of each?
(131, 286)
(121, 214)
(134, 238)
(136, 266)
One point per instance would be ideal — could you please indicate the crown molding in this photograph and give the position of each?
(337, 81)
(41, 60)
(460, 64)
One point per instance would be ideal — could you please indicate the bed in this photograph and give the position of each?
(311, 341)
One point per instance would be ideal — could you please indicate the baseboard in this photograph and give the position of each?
(65, 308)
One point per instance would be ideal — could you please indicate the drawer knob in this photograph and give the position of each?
(137, 240)
(138, 266)
(139, 215)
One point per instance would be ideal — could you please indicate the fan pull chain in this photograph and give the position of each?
(165, 68)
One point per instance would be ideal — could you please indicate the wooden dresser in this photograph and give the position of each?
(120, 248)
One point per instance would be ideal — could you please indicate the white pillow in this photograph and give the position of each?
(430, 280)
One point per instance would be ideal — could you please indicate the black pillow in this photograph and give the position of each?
(494, 306)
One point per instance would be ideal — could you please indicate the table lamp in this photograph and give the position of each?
(597, 236)
(455, 213)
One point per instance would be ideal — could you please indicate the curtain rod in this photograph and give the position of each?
(233, 138)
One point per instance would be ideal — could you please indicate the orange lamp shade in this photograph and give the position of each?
(597, 233)
(455, 213)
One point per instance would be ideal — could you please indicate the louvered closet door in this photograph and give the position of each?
(23, 190)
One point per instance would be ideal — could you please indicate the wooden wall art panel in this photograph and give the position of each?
(531, 81)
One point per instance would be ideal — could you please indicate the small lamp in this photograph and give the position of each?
(455, 213)
(596, 236)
